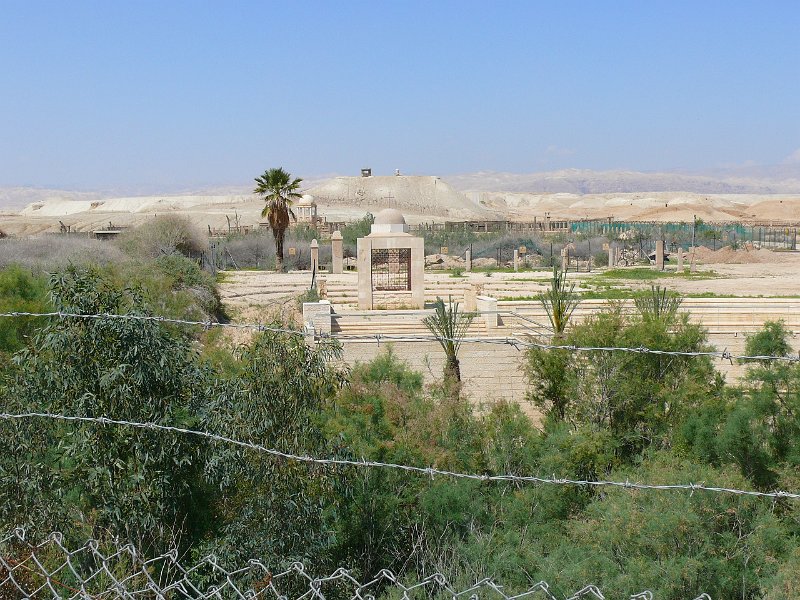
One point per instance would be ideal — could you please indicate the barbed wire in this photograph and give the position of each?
(428, 471)
(96, 570)
(514, 341)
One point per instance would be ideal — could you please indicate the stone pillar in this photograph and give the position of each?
(564, 258)
(417, 245)
(516, 259)
(680, 260)
(612, 255)
(660, 255)
(468, 260)
(470, 295)
(488, 307)
(337, 253)
(364, 250)
(314, 256)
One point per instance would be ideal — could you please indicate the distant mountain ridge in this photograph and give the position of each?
(775, 179)
(779, 179)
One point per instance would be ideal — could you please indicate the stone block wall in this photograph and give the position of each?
(490, 373)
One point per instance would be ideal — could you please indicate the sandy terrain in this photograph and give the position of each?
(660, 206)
(421, 199)
(766, 274)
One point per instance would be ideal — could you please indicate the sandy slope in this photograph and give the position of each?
(657, 206)
(421, 199)
(431, 196)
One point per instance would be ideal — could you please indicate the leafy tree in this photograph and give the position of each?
(677, 545)
(265, 506)
(552, 385)
(140, 484)
(277, 188)
(449, 326)
(772, 340)
(714, 235)
(764, 417)
(754, 425)
(635, 396)
(385, 415)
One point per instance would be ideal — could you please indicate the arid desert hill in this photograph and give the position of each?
(775, 179)
(420, 198)
(431, 196)
(656, 206)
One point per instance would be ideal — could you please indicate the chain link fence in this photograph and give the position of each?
(51, 569)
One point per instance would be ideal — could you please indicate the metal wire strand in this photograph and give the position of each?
(378, 337)
(429, 471)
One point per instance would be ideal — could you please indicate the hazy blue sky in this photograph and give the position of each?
(163, 93)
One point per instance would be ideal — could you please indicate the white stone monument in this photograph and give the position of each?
(391, 265)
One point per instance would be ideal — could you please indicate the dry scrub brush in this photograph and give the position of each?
(55, 252)
(257, 250)
(164, 235)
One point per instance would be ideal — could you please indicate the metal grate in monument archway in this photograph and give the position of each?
(391, 269)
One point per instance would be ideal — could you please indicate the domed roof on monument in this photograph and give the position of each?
(306, 200)
(390, 216)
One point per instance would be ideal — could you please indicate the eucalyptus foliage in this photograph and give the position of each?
(607, 416)
(280, 384)
(138, 483)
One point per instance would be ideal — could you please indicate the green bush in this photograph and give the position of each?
(173, 286)
(613, 416)
(21, 291)
(357, 229)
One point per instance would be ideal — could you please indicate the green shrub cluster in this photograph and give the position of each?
(608, 416)
(21, 290)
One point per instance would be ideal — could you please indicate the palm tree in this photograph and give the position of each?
(449, 326)
(278, 190)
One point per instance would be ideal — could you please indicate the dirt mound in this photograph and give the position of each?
(444, 261)
(726, 255)
(417, 195)
(743, 256)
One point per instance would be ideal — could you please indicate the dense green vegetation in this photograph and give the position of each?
(608, 416)
(20, 291)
